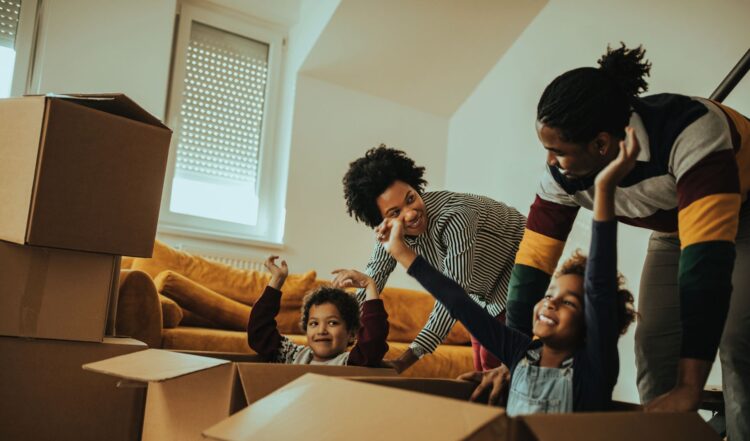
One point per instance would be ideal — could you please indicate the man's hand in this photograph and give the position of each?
(497, 380)
(345, 278)
(278, 273)
(390, 233)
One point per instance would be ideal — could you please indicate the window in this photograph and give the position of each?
(222, 108)
(10, 11)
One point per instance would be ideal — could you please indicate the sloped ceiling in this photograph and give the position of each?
(425, 54)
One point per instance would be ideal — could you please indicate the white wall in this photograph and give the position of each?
(332, 127)
(492, 145)
(92, 46)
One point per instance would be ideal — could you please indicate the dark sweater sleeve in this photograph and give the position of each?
(600, 310)
(372, 337)
(262, 332)
(504, 343)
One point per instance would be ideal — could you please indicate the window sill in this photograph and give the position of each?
(212, 236)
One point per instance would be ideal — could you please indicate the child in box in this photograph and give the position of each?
(573, 365)
(330, 318)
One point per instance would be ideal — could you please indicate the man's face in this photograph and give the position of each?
(327, 335)
(574, 161)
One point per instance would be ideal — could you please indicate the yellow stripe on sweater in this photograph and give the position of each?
(539, 251)
(713, 217)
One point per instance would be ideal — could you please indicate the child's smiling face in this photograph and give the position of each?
(558, 317)
(327, 334)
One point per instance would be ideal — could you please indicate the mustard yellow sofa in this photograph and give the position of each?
(175, 300)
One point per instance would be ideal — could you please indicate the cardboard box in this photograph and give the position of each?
(44, 394)
(53, 293)
(441, 387)
(81, 172)
(612, 426)
(315, 407)
(324, 408)
(188, 393)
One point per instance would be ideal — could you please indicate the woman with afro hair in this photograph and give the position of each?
(690, 186)
(470, 239)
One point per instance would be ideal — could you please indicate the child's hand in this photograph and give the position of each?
(615, 171)
(350, 279)
(278, 273)
(391, 235)
(354, 279)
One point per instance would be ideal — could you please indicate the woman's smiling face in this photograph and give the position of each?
(401, 201)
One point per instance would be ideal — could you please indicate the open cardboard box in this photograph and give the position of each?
(188, 393)
(46, 396)
(81, 172)
(54, 293)
(323, 408)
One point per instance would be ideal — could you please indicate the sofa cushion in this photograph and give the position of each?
(244, 286)
(205, 302)
(171, 312)
(408, 311)
(448, 361)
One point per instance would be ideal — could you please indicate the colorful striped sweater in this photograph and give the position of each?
(692, 176)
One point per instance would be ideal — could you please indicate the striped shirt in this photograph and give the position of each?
(471, 239)
(691, 176)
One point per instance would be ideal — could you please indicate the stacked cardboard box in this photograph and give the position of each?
(80, 185)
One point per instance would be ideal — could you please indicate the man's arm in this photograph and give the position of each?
(547, 229)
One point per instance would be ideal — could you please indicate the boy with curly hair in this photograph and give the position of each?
(330, 319)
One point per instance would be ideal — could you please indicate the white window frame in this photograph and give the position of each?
(268, 231)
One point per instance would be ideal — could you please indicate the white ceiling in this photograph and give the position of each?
(425, 54)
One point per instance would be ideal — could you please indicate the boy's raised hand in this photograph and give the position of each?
(615, 171)
(278, 273)
(345, 278)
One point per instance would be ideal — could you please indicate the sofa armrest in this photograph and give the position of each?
(139, 313)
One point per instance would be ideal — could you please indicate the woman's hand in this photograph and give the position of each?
(278, 273)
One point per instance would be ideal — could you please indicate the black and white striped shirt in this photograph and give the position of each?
(471, 239)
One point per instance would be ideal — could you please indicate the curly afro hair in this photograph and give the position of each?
(368, 177)
(342, 300)
(626, 314)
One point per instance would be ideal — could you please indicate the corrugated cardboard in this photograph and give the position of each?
(315, 407)
(188, 393)
(44, 394)
(53, 293)
(320, 408)
(81, 172)
(612, 426)
(442, 387)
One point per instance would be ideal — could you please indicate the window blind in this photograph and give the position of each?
(9, 12)
(222, 109)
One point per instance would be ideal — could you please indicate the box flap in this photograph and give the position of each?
(442, 387)
(619, 426)
(153, 365)
(260, 379)
(315, 407)
(114, 103)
